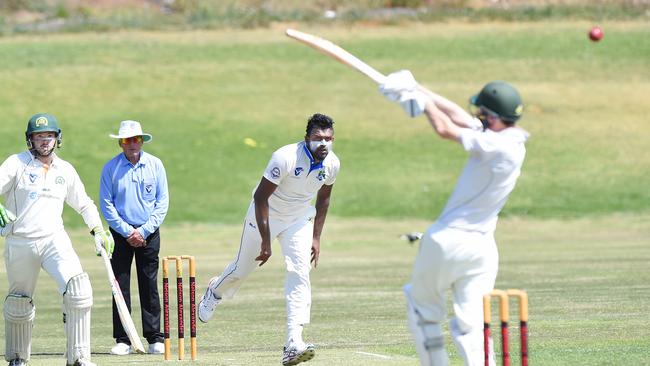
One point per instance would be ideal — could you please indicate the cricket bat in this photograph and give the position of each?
(337, 53)
(123, 311)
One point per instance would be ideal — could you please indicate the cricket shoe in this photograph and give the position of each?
(157, 348)
(121, 349)
(83, 362)
(293, 355)
(208, 303)
(17, 362)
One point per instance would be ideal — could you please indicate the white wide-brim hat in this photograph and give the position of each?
(130, 129)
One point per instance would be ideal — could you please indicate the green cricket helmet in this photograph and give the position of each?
(501, 98)
(43, 122)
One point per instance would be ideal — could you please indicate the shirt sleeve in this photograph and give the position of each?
(475, 124)
(276, 169)
(107, 201)
(478, 141)
(80, 202)
(7, 175)
(334, 172)
(162, 203)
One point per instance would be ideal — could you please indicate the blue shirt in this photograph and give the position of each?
(134, 195)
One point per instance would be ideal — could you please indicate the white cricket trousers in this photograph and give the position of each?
(295, 239)
(24, 258)
(465, 262)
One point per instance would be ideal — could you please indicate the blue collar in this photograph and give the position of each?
(312, 165)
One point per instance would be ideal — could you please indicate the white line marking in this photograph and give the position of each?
(374, 355)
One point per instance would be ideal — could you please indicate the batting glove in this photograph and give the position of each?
(6, 216)
(397, 83)
(103, 239)
(413, 102)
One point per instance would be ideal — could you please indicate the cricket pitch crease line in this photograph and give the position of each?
(374, 355)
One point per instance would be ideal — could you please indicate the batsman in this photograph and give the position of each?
(458, 251)
(35, 184)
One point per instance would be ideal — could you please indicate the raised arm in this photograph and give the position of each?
(446, 117)
(458, 115)
(442, 122)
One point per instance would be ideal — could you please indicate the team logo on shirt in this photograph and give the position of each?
(275, 172)
(148, 188)
(32, 177)
(298, 171)
(59, 180)
(33, 195)
(321, 175)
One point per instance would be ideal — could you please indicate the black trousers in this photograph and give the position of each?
(146, 264)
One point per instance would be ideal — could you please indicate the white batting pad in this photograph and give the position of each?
(19, 315)
(428, 337)
(470, 345)
(77, 301)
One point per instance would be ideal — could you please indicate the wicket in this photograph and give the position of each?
(179, 296)
(504, 314)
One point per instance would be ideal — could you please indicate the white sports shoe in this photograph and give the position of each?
(157, 348)
(121, 349)
(83, 362)
(208, 303)
(17, 362)
(294, 354)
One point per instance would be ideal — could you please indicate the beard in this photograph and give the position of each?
(320, 154)
(320, 149)
(43, 151)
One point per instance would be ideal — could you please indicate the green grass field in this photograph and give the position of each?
(587, 280)
(575, 233)
(202, 93)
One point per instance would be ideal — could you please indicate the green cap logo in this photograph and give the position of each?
(41, 121)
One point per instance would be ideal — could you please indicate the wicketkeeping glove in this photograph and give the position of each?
(103, 238)
(6, 216)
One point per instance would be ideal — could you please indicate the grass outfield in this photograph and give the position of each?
(574, 234)
(202, 93)
(587, 280)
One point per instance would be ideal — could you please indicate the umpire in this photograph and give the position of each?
(134, 201)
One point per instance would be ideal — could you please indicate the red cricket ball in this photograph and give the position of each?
(596, 34)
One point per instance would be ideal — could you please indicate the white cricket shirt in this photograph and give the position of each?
(298, 179)
(487, 179)
(36, 195)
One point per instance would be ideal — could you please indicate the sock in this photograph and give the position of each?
(294, 334)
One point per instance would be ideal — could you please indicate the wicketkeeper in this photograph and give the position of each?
(35, 184)
(458, 251)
